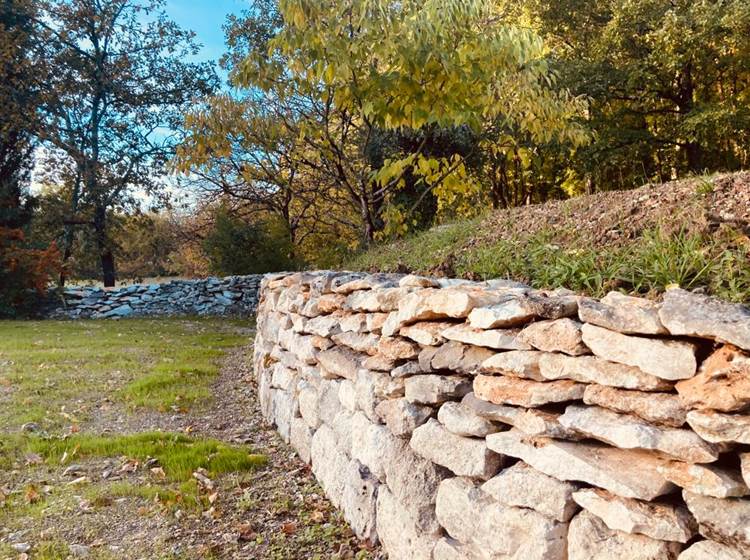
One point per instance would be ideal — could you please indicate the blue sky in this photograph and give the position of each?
(206, 18)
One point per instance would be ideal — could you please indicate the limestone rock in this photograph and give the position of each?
(353, 282)
(324, 325)
(398, 533)
(300, 438)
(307, 399)
(377, 301)
(745, 466)
(427, 333)
(521, 392)
(659, 521)
(359, 501)
(378, 363)
(685, 313)
(512, 310)
(396, 348)
(724, 521)
(463, 421)
(347, 395)
(450, 549)
(372, 387)
(556, 335)
(710, 550)
(458, 506)
(495, 412)
(659, 408)
(328, 400)
(524, 486)
(365, 343)
(329, 464)
(414, 281)
(590, 369)
(723, 382)
(407, 369)
(630, 432)
(373, 445)
(454, 303)
(621, 313)
(328, 303)
(499, 339)
(454, 356)
(341, 362)
(717, 427)
(516, 363)
(708, 480)
(668, 359)
(463, 456)
(627, 473)
(590, 539)
(435, 389)
(401, 416)
(341, 424)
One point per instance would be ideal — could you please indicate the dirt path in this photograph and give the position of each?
(276, 512)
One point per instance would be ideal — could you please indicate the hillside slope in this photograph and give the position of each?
(693, 232)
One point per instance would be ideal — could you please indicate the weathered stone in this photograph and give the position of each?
(708, 480)
(710, 550)
(427, 333)
(628, 473)
(463, 456)
(373, 445)
(517, 363)
(328, 400)
(497, 531)
(397, 532)
(377, 301)
(325, 325)
(282, 407)
(659, 521)
(375, 321)
(300, 438)
(450, 549)
(717, 427)
(659, 408)
(342, 427)
(590, 369)
(589, 538)
(348, 395)
(668, 359)
(630, 432)
(454, 303)
(379, 363)
(401, 416)
(372, 387)
(307, 400)
(621, 313)
(745, 466)
(407, 369)
(685, 313)
(341, 362)
(303, 347)
(414, 482)
(320, 343)
(556, 335)
(352, 322)
(329, 464)
(435, 389)
(722, 383)
(512, 310)
(359, 342)
(521, 392)
(495, 412)
(504, 339)
(396, 348)
(328, 303)
(283, 378)
(359, 501)
(455, 356)
(724, 521)
(414, 281)
(463, 421)
(524, 486)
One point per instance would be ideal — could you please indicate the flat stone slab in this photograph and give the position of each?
(427, 333)
(710, 550)
(621, 313)
(657, 408)
(462, 420)
(723, 382)
(498, 339)
(435, 389)
(724, 521)
(717, 427)
(590, 369)
(708, 480)
(521, 392)
(555, 335)
(516, 363)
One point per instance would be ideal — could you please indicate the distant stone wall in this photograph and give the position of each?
(455, 420)
(233, 295)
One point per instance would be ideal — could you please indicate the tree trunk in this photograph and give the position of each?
(106, 256)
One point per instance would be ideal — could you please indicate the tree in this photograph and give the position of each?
(121, 81)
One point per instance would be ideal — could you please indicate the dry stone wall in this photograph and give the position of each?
(456, 420)
(233, 295)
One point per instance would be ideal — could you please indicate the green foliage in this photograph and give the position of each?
(237, 247)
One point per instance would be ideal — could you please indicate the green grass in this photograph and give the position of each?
(55, 373)
(179, 455)
(718, 263)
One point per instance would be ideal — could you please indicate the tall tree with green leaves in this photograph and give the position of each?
(121, 80)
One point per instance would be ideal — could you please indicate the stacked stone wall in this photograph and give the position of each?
(230, 296)
(456, 420)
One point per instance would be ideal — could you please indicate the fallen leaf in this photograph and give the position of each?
(289, 528)
(31, 494)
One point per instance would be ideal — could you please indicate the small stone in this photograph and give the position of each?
(745, 466)
(426, 333)
(454, 356)
(709, 550)
(414, 281)
(689, 314)
(401, 416)
(524, 486)
(512, 310)
(395, 348)
(463, 421)
(630, 432)
(79, 550)
(377, 301)
(658, 521)
(379, 363)
(359, 342)
(557, 335)
(708, 480)
(668, 359)
(407, 369)
(621, 313)
(372, 387)
(659, 408)
(516, 363)
(521, 392)
(397, 531)
(341, 362)
(454, 303)
(435, 389)
(590, 369)
(325, 325)
(717, 427)
(589, 538)
(722, 383)
(495, 412)
(627, 473)
(300, 438)
(373, 444)
(723, 521)
(498, 339)
(463, 456)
